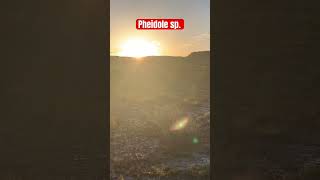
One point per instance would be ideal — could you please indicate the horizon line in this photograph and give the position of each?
(162, 55)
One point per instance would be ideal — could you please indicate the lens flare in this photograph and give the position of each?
(195, 140)
(180, 124)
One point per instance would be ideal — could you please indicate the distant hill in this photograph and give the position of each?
(196, 54)
(158, 76)
(199, 54)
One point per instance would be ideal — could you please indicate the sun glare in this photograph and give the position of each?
(139, 48)
(180, 124)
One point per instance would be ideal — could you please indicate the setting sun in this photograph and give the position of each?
(139, 48)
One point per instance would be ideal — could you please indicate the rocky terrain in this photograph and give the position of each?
(148, 97)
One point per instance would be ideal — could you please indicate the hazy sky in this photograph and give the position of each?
(194, 37)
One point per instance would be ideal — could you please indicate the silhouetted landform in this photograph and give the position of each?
(153, 76)
(199, 55)
(148, 95)
(53, 120)
(267, 84)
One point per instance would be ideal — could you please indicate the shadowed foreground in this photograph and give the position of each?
(148, 97)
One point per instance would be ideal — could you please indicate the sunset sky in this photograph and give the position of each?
(194, 37)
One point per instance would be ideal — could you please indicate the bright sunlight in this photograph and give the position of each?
(139, 48)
